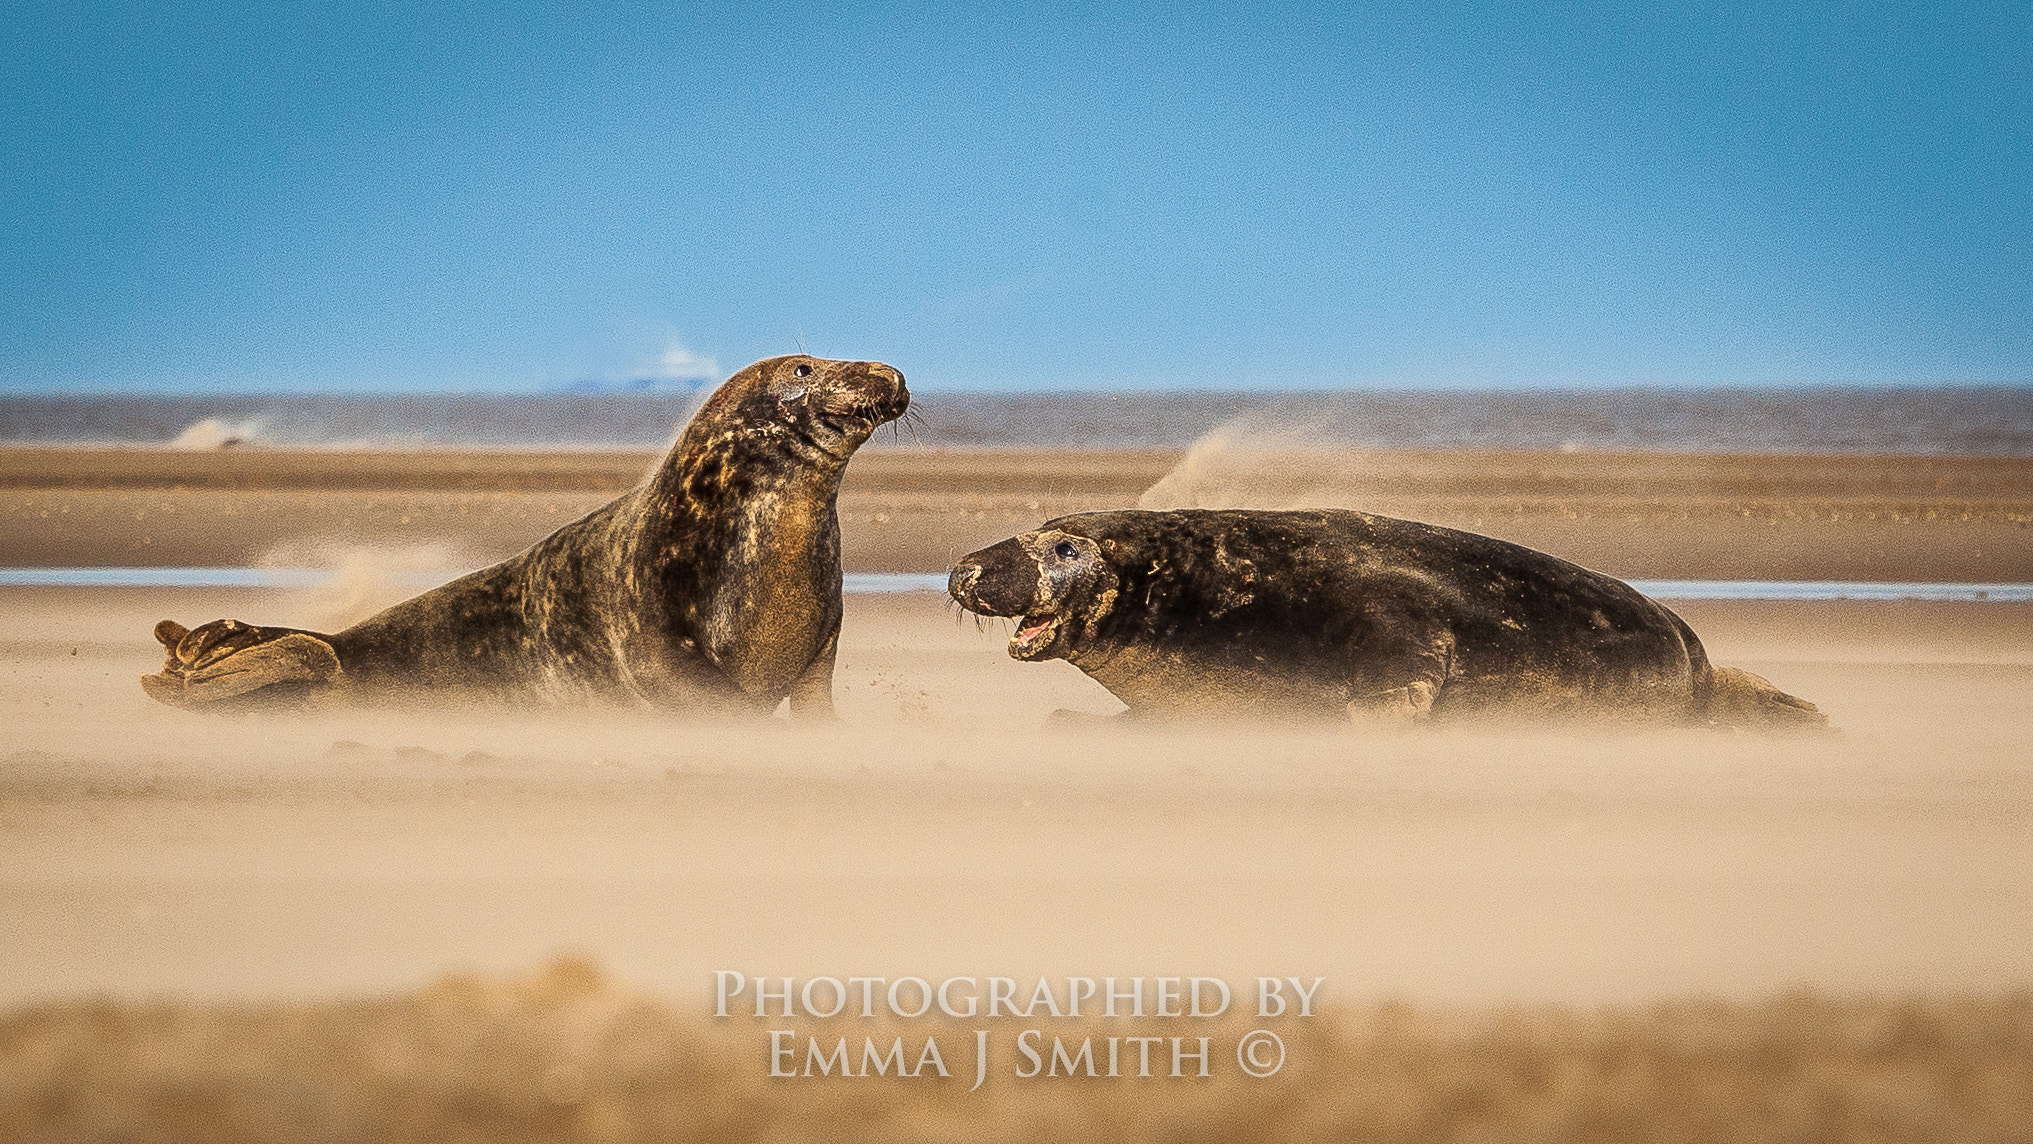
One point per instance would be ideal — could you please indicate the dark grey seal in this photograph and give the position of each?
(1273, 614)
(712, 587)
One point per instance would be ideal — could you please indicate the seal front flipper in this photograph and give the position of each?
(229, 660)
(812, 695)
(1394, 707)
(1399, 687)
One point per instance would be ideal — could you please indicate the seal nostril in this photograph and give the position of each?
(962, 580)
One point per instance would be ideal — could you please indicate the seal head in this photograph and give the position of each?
(815, 408)
(1058, 585)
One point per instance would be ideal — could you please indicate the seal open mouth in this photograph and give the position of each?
(1035, 635)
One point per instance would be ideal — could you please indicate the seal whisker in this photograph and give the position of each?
(909, 422)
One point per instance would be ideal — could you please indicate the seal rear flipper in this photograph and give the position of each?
(1740, 699)
(227, 660)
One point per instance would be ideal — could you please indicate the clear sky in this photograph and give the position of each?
(204, 196)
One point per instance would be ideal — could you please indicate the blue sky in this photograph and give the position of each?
(503, 197)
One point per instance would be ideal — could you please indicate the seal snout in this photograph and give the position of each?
(876, 390)
(899, 398)
(1000, 580)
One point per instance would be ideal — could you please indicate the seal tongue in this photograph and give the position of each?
(1035, 634)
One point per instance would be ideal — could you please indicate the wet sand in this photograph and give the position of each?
(1852, 907)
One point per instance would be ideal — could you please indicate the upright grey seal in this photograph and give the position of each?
(714, 586)
(1243, 612)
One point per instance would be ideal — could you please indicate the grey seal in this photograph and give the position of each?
(714, 586)
(1337, 613)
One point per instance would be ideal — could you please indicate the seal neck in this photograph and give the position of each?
(712, 471)
(752, 563)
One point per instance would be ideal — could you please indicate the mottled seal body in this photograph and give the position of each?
(1257, 613)
(713, 586)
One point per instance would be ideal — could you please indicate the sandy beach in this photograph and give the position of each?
(1530, 933)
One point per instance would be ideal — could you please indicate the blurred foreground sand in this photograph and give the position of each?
(227, 885)
(940, 830)
(567, 1055)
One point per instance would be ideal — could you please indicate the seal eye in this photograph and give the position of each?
(802, 369)
(1064, 550)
